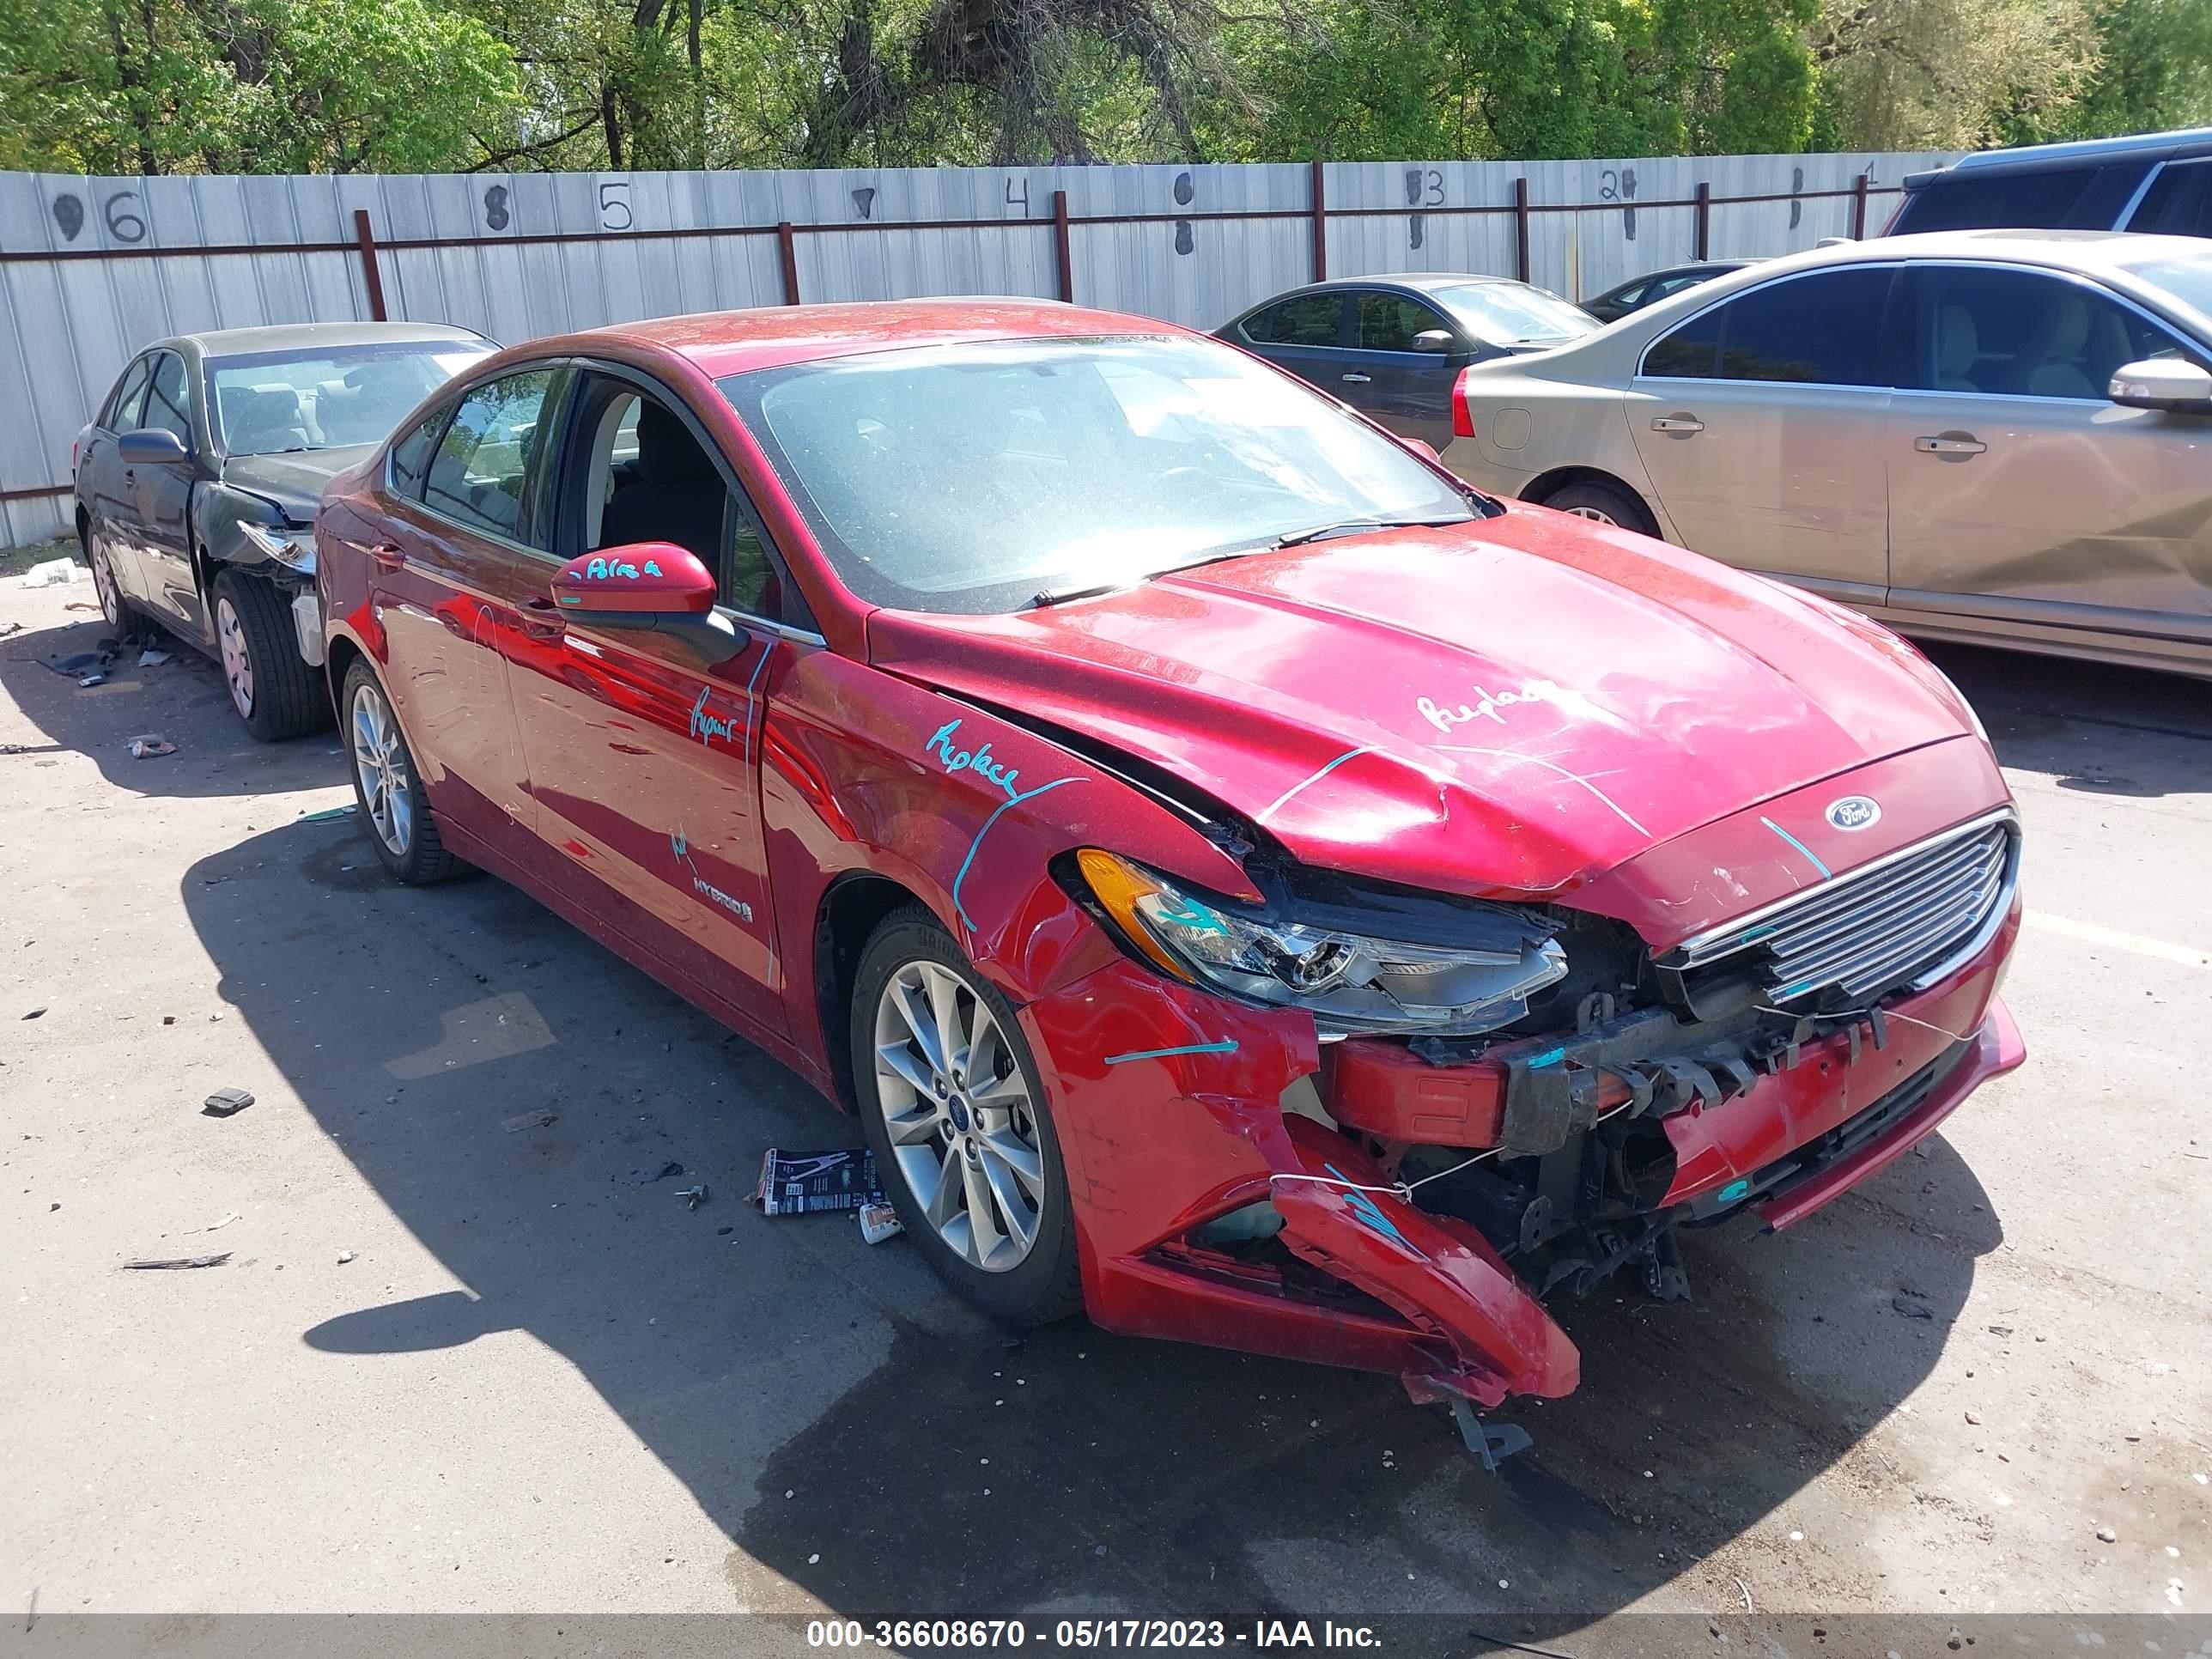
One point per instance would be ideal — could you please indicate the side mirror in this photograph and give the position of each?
(151, 445)
(1427, 451)
(1434, 339)
(2162, 383)
(648, 587)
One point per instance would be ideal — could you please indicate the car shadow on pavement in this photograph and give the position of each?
(515, 1094)
(185, 693)
(2115, 733)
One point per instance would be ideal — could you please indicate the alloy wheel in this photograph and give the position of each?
(1594, 514)
(237, 665)
(382, 766)
(103, 581)
(958, 1113)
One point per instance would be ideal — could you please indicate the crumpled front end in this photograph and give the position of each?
(1762, 1038)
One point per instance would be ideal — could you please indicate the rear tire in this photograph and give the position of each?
(946, 1137)
(386, 788)
(1603, 503)
(275, 692)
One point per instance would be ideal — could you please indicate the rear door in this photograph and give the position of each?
(1762, 421)
(464, 535)
(2018, 492)
(162, 499)
(2177, 201)
(644, 760)
(1308, 335)
(1407, 390)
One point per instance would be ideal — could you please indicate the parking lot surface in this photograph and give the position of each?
(467, 1353)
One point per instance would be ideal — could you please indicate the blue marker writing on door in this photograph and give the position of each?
(707, 727)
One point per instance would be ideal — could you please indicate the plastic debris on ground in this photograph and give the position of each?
(223, 1102)
(693, 1197)
(9, 629)
(81, 666)
(543, 1117)
(329, 815)
(180, 1261)
(878, 1222)
(35, 1013)
(152, 657)
(53, 573)
(806, 1183)
(147, 745)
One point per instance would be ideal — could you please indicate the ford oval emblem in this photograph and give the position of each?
(1853, 811)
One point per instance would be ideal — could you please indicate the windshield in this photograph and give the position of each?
(274, 402)
(1513, 314)
(977, 478)
(2188, 281)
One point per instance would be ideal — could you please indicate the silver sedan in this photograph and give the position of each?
(1995, 436)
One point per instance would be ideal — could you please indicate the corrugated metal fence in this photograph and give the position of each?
(93, 269)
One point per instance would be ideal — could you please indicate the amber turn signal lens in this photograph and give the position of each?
(1118, 884)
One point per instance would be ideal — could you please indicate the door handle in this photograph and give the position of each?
(1355, 379)
(542, 619)
(1949, 443)
(1678, 424)
(388, 555)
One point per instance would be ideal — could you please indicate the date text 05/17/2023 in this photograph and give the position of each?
(1261, 1636)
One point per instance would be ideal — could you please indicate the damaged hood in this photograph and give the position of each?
(293, 481)
(1512, 706)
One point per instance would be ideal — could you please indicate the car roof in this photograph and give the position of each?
(721, 343)
(308, 336)
(2083, 150)
(2063, 250)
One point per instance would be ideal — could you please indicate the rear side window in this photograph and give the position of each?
(2179, 202)
(2038, 198)
(121, 414)
(1315, 320)
(484, 463)
(1823, 329)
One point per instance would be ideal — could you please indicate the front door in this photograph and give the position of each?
(466, 533)
(2018, 492)
(110, 499)
(1761, 423)
(1407, 390)
(644, 760)
(163, 498)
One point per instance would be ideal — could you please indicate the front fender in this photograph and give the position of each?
(864, 771)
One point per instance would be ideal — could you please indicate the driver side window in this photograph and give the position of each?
(643, 474)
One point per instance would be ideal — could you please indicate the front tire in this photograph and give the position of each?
(275, 692)
(954, 1111)
(1603, 501)
(114, 609)
(400, 823)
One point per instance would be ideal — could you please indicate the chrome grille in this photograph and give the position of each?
(1908, 917)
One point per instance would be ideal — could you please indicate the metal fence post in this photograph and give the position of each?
(1061, 250)
(1320, 225)
(787, 248)
(1521, 227)
(1704, 220)
(365, 238)
(1859, 207)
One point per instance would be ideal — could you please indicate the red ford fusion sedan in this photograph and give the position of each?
(1250, 886)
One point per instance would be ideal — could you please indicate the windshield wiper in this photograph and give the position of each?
(1077, 591)
(1321, 532)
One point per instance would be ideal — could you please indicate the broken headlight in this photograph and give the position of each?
(288, 546)
(1347, 981)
